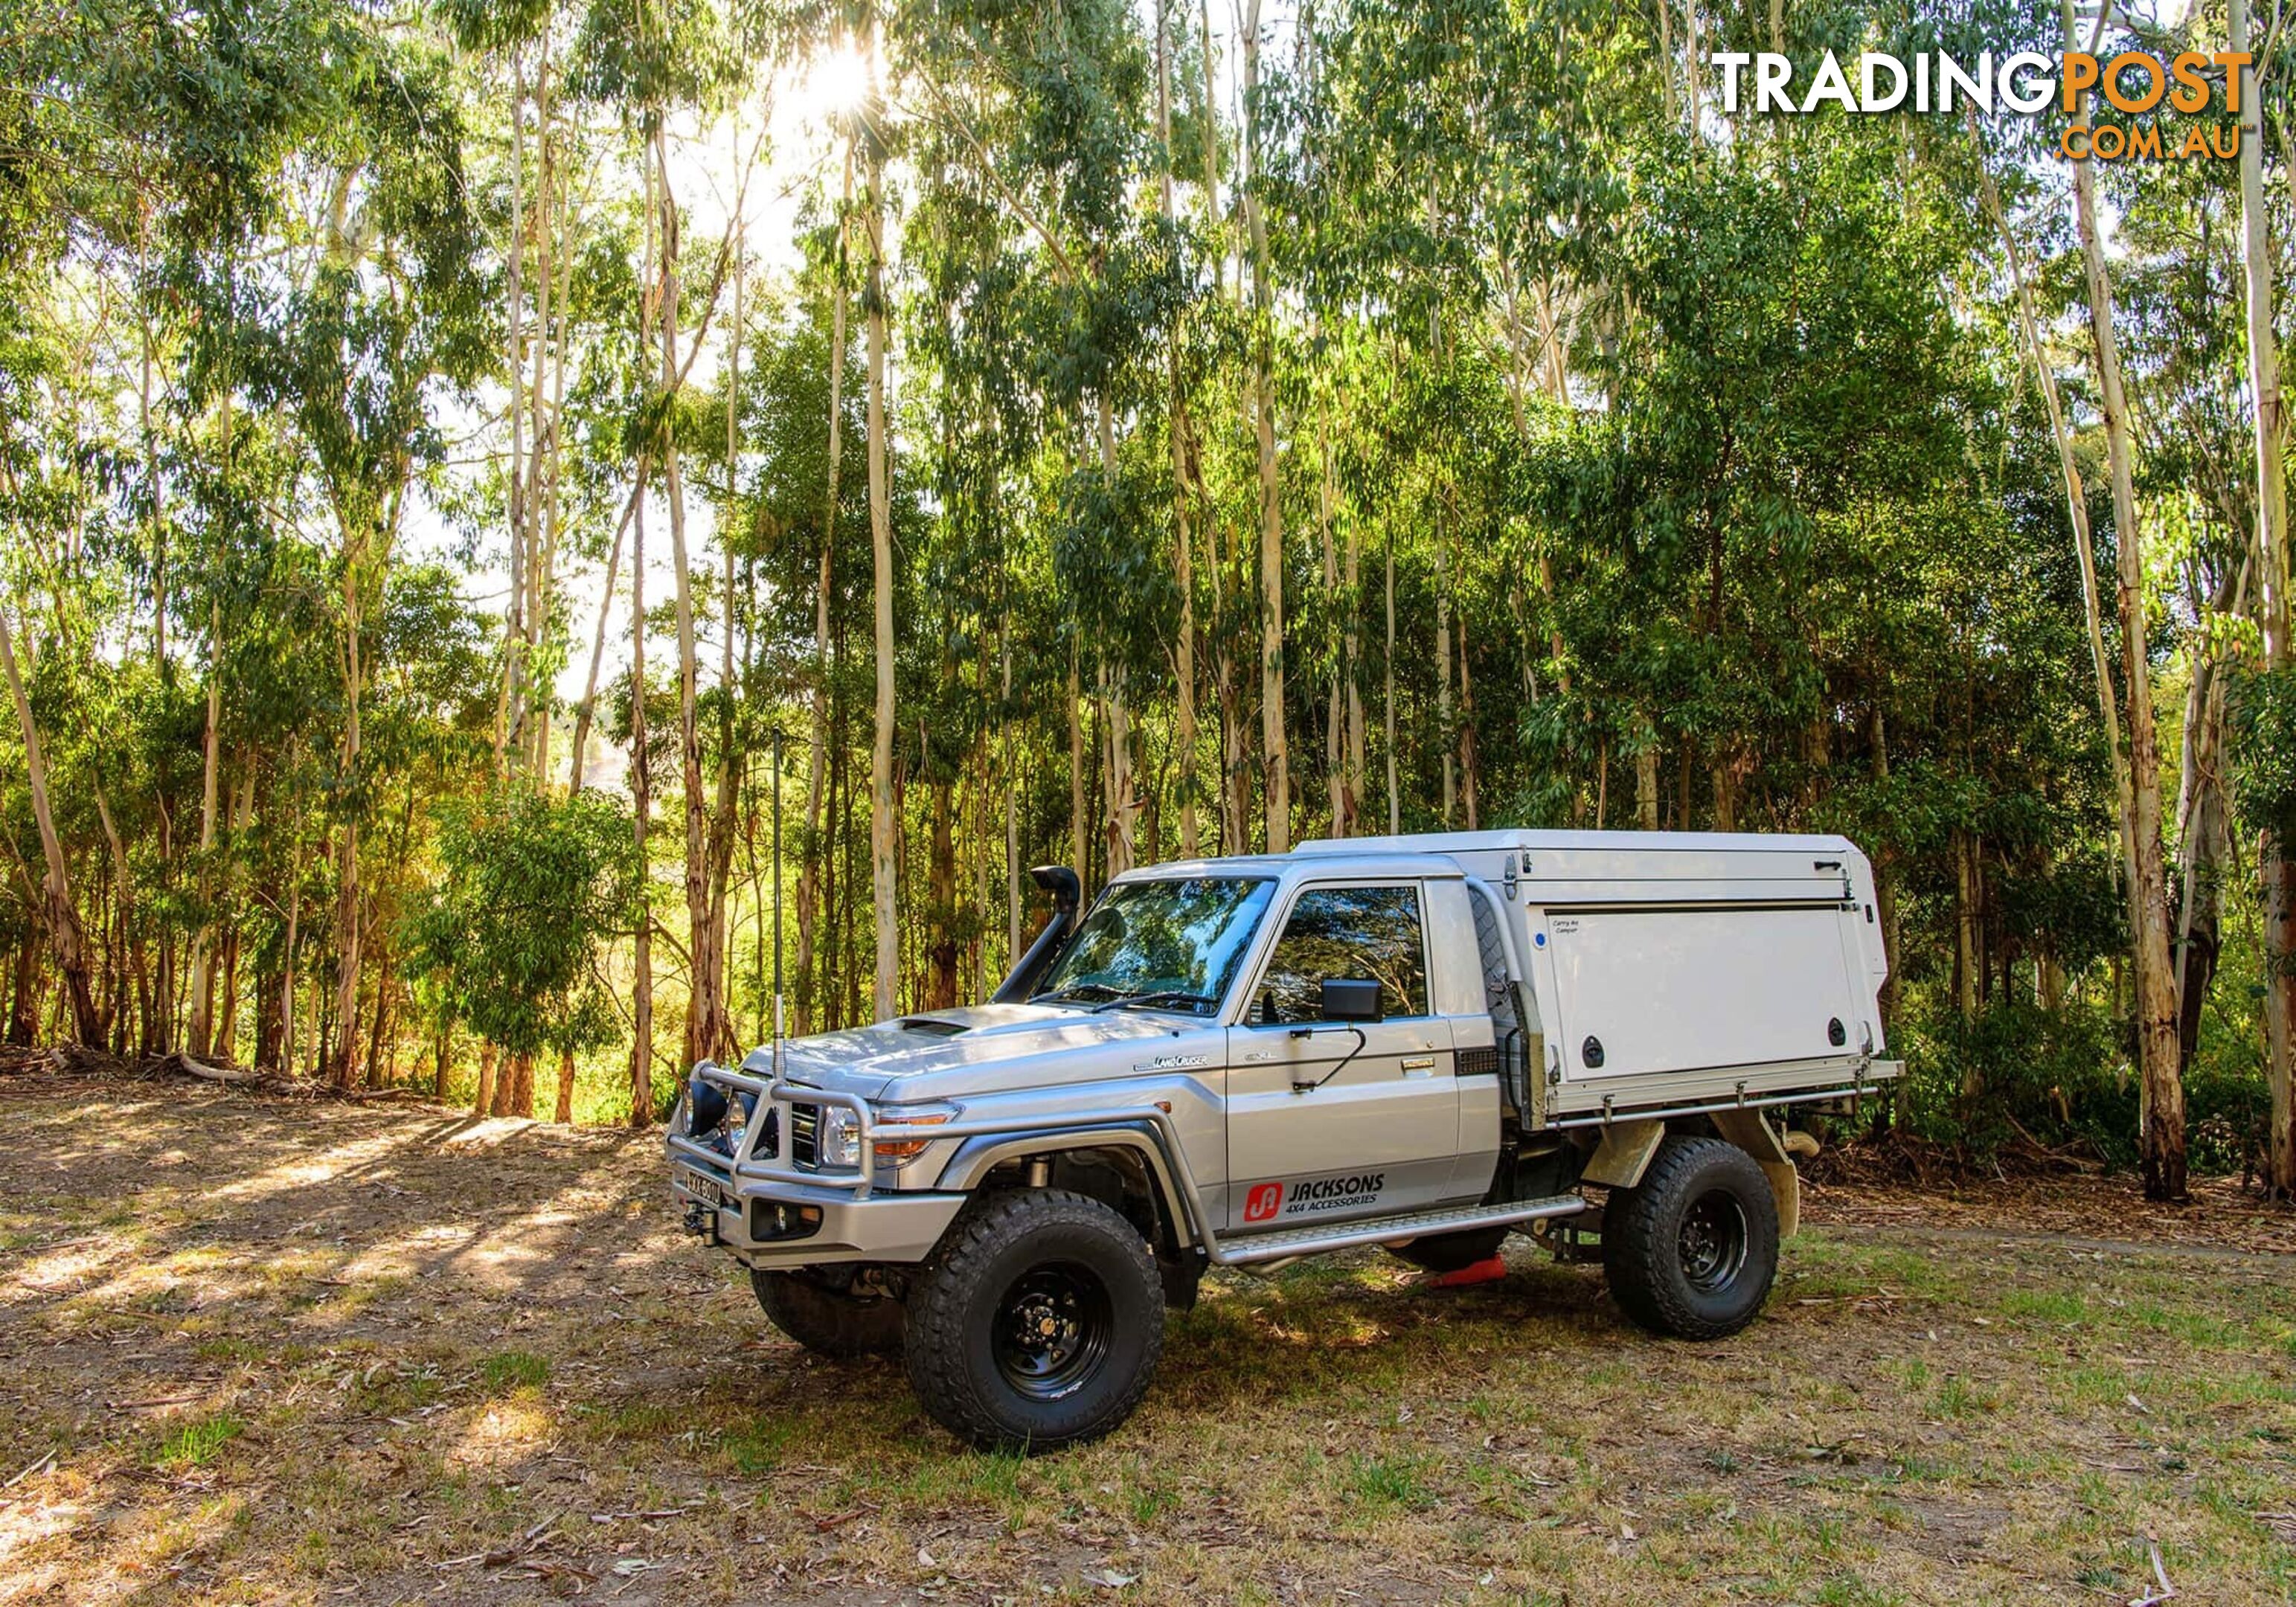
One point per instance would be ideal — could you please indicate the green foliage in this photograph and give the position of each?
(197, 1443)
(2050, 1076)
(2264, 713)
(507, 1370)
(530, 891)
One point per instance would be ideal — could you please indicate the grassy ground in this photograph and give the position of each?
(253, 1350)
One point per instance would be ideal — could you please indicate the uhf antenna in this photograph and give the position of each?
(779, 1032)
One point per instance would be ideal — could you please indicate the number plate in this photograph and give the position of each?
(701, 1186)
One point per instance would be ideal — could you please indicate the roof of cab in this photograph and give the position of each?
(1377, 860)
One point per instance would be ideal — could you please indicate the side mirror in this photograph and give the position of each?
(1351, 999)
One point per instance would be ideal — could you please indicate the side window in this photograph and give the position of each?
(1346, 932)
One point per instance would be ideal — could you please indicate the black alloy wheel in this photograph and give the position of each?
(1712, 1241)
(1051, 1330)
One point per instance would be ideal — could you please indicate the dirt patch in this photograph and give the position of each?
(256, 1350)
(2112, 1208)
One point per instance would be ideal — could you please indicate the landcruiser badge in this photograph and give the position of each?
(1169, 1062)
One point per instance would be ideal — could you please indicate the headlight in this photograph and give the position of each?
(839, 1140)
(705, 1105)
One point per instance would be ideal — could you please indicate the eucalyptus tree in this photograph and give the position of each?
(2247, 86)
(511, 935)
(388, 309)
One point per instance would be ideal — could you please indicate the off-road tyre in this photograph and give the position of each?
(826, 1320)
(1691, 1251)
(1451, 1252)
(1036, 1323)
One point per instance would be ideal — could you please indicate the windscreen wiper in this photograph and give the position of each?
(1082, 993)
(1162, 996)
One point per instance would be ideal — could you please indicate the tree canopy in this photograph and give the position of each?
(441, 472)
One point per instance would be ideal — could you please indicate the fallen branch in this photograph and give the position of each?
(214, 1074)
(526, 1542)
(47, 1461)
(2167, 1592)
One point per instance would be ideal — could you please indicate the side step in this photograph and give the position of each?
(1285, 1244)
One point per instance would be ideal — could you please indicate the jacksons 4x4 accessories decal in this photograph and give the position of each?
(1267, 1200)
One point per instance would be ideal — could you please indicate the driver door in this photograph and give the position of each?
(1322, 1127)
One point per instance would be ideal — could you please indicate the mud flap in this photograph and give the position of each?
(1624, 1153)
(1752, 1132)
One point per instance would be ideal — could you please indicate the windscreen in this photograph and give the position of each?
(1172, 944)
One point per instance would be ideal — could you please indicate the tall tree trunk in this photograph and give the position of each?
(641, 811)
(726, 806)
(1394, 796)
(1470, 761)
(1690, 58)
(2203, 843)
(2161, 1138)
(1277, 752)
(1118, 797)
(202, 1022)
(1183, 648)
(2275, 858)
(289, 970)
(1352, 761)
(514, 619)
(350, 929)
(1965, 926)
(1077, 817)
(941, 981)
(884, 825)
(1445, 720)
(1885, 883)
(816, 851)
(557, 219)
(1665, 58)
(24, 1001)
(707, 1029)
(641, 761)
(578, 766)
(1011, 778)
(60, 915)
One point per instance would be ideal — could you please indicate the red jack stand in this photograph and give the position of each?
(1489, 1270)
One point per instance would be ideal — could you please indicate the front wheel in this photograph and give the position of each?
(1691, 1251)
(1036, 1322)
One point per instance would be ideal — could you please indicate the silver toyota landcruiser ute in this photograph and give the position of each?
(1421, 1043)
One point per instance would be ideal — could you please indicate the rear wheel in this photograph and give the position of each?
(1691, 1251)
(826, 1319)
(1451, 1252)
(1037, 1321)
